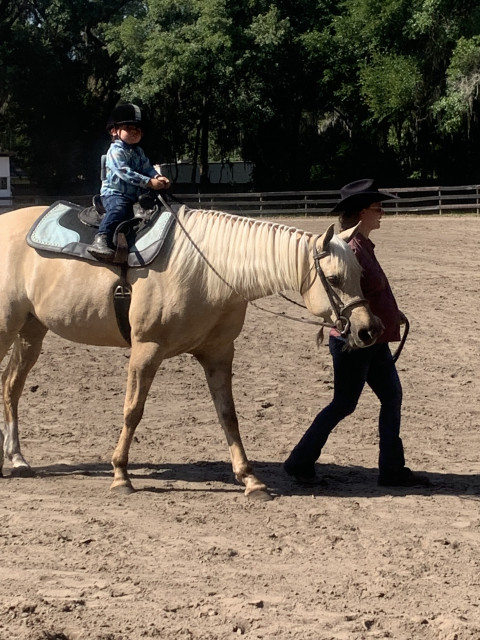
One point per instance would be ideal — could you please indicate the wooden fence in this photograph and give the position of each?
(421, 200)
(424, 200)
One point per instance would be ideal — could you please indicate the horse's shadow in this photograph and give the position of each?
(336, 480)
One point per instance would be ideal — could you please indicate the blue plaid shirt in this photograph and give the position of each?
(128, 170)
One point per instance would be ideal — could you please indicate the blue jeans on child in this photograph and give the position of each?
(352, 369)
(118, 208)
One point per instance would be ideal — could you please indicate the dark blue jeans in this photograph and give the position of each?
(352, 369)
(118, 208)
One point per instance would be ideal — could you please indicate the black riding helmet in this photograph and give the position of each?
(127, 113)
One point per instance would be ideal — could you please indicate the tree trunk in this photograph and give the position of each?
(204, 136)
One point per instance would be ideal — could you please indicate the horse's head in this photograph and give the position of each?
(332, 289)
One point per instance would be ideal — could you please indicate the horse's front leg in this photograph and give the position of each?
(145, 358)
(218, 372)
(26, 349)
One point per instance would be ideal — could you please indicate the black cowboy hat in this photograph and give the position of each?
(360, 195)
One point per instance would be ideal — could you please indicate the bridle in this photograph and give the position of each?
(342, 323)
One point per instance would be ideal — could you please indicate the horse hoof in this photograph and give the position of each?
(22, 472)
(261, 495)
(122, 489)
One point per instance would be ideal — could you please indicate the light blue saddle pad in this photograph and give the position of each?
(59, 230)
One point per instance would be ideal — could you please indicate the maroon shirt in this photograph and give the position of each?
(376, 288)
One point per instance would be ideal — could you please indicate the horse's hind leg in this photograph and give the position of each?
(218, 372)
(26, 349)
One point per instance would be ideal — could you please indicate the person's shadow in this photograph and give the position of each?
(335, 480)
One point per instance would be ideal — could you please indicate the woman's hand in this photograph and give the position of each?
(403, 318)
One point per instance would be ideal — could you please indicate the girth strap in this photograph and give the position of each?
(122, 296)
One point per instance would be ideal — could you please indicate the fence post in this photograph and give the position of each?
(440, 201)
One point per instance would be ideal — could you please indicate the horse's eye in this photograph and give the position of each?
(333, 280)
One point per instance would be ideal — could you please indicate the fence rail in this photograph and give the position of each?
(423, 200)
(313, 203)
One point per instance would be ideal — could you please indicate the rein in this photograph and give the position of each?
(342, 323)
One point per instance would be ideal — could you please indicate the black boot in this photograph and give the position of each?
(101, 248)
(405, 477)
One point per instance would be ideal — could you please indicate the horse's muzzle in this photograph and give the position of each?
(366, 335)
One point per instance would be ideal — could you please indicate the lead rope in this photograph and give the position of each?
(397, 353)
(332, 295)
(325, 282)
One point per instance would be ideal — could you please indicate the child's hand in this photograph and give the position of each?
(159, 182)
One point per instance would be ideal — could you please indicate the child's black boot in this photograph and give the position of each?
(101, 248)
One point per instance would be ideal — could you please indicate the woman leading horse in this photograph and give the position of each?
(191, 298)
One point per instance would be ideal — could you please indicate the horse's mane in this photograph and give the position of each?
(255, 257)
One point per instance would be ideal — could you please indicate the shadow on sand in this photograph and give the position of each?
(338, 481)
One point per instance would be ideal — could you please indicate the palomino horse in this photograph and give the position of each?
(191, 299)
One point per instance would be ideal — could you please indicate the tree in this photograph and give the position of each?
(459, 106)
(182, 67)
(387, 72)
(58, 78)
(225, 79)
(313, 92)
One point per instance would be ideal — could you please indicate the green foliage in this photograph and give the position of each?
(57, 76)
(456, 108)
(390, 85)
(177, 58)
(314, 92)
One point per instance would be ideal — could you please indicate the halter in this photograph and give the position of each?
(342, 323)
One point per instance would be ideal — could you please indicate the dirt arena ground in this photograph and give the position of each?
(188, 557)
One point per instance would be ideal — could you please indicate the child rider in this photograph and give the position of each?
(128, 173)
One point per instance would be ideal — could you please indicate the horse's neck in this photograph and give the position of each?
(244, 256)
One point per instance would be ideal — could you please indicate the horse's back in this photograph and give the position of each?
(14, 226)
(71, 297)
(25, 216)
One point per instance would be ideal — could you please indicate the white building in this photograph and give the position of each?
(5, 187)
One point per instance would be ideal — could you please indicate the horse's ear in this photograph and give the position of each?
(327, 236)
(348, 234)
